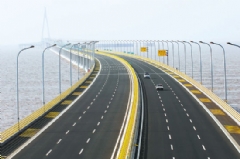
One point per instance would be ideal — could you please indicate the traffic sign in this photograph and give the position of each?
(162, 52)
(144, 49)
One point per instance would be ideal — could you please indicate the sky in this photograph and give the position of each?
(21, 21)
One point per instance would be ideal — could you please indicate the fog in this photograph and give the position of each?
(215, 20)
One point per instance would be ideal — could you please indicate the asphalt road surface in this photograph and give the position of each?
(90, 128)
(177, 127)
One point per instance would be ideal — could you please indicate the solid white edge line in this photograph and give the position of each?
(123, 127)
(53, 120)
(231, 139)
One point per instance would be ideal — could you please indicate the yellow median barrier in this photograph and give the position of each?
(125, 147)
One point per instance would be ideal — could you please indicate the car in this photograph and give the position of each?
(159, 87)
(146, 75)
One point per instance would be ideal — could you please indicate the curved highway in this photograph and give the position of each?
(176, 125)
(91, 126)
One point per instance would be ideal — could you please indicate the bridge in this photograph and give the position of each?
(114, 112)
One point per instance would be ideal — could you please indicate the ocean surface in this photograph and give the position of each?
(30, 75)
(30, 81)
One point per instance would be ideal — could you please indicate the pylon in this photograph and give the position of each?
(45, 20)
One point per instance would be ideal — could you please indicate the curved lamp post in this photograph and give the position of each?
(59, 68)
(184, 55)
(200, 59)
(224, 63)
(93, 50)
(167, 50)
(43, 86)
(155, 52)
(71, 63)
(211, 61)
(78, 58)
(178, 54)
(17, 83)
(191, 55)
(172, 50)
(233, 44)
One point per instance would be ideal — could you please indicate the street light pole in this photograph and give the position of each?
(191, 55)
(163, 49)
(167, 50)
(78, 59)
(71, 63)
(17, 84)
(43, 88)
(184, 55)
(178, 55)
(225, 76)
(155, 52)
(93, 50)
(211, 61)
(59, 68)
(199, 59)
(233, 44)
(172, 51)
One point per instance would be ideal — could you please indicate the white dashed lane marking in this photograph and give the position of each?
(49, 152)
(88, 140)
(203, 147)
(170, 137)
(67, 132)
(80, 151)
(59, 141)
(94, 131)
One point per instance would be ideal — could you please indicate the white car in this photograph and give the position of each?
(159, 87)
(146, 75)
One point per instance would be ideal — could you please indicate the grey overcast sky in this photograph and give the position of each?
(217, 20)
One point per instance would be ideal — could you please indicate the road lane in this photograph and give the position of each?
(89, 129)
(177, 126)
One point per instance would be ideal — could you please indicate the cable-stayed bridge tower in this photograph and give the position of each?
(45, 26)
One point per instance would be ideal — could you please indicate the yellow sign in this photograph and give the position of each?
(162, 52)
(144, 49)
